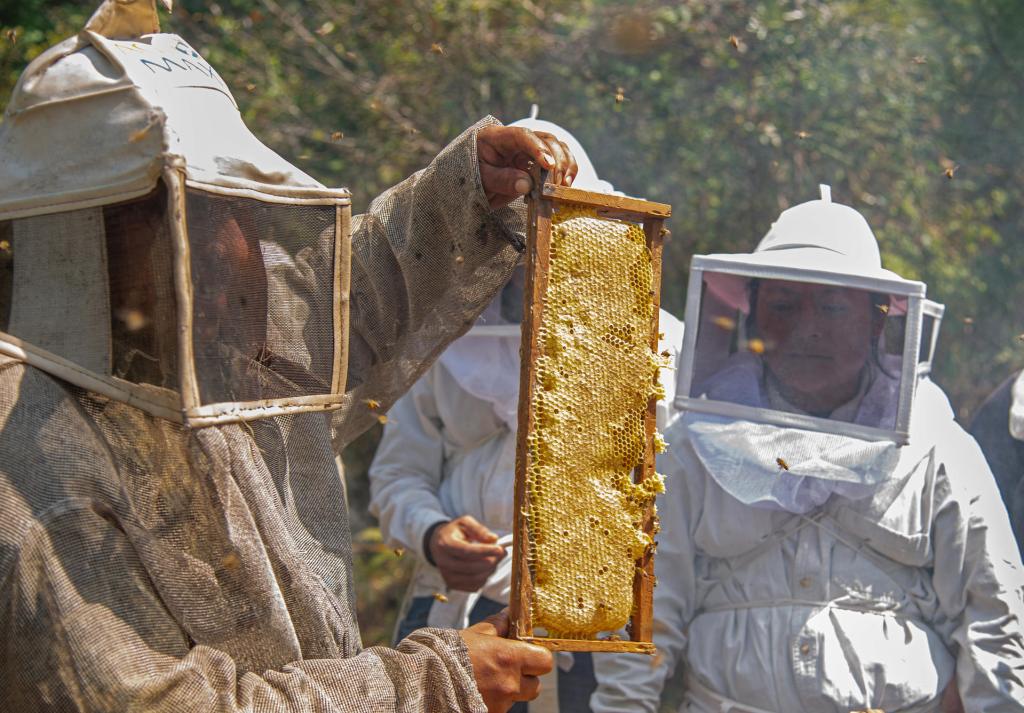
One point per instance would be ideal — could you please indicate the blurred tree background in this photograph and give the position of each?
(729, 110)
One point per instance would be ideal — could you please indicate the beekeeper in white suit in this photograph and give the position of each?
(832, 540)
(442, 478)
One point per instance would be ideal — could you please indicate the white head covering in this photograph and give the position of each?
(820, 238)
(98, 117)
(785, 467)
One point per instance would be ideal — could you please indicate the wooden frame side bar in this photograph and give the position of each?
(641, 628)
(537, 265)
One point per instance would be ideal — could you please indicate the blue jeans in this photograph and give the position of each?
(574, 686)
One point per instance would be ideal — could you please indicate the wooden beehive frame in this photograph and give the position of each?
(541, 204)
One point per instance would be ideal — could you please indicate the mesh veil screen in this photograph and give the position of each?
(143, 325)
(594, 376)
(262, 278)
(800, 347)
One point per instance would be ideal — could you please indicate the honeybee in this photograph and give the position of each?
(440, 597)
(756, 346)
(438, 48)
(950, 170)
(884, 309)
(783, 465)
(337, 136)
(382, 419)
(803, 134)
(726, 323)
(372, 404)
(734, 41)
(620, 95)
(399, 551)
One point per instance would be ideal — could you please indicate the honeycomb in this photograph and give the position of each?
(595, 372)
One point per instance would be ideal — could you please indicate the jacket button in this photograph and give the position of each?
(806, 582)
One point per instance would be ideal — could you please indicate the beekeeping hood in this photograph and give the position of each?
(799, 377)
(153, 250)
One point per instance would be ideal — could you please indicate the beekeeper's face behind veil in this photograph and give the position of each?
(799, 378)
(817, 340)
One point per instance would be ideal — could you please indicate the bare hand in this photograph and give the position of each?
(464, 552)
(506, 671)
(505, 154)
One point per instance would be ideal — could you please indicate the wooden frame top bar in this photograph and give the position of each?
(622, 204)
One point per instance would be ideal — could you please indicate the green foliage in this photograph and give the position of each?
(731, 110)
(381, 576)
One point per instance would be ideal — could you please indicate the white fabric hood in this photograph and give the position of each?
(822, 238)
(98, 117)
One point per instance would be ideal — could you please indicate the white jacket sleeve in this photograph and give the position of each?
(629, 682)
(979, 580)
(405, 475)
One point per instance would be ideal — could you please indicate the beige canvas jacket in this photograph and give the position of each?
(148, 567)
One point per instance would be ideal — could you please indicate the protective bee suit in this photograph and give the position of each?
(844, 554)
(184, 325)
(448, 450)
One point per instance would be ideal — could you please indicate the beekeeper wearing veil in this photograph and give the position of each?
(832, 540)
